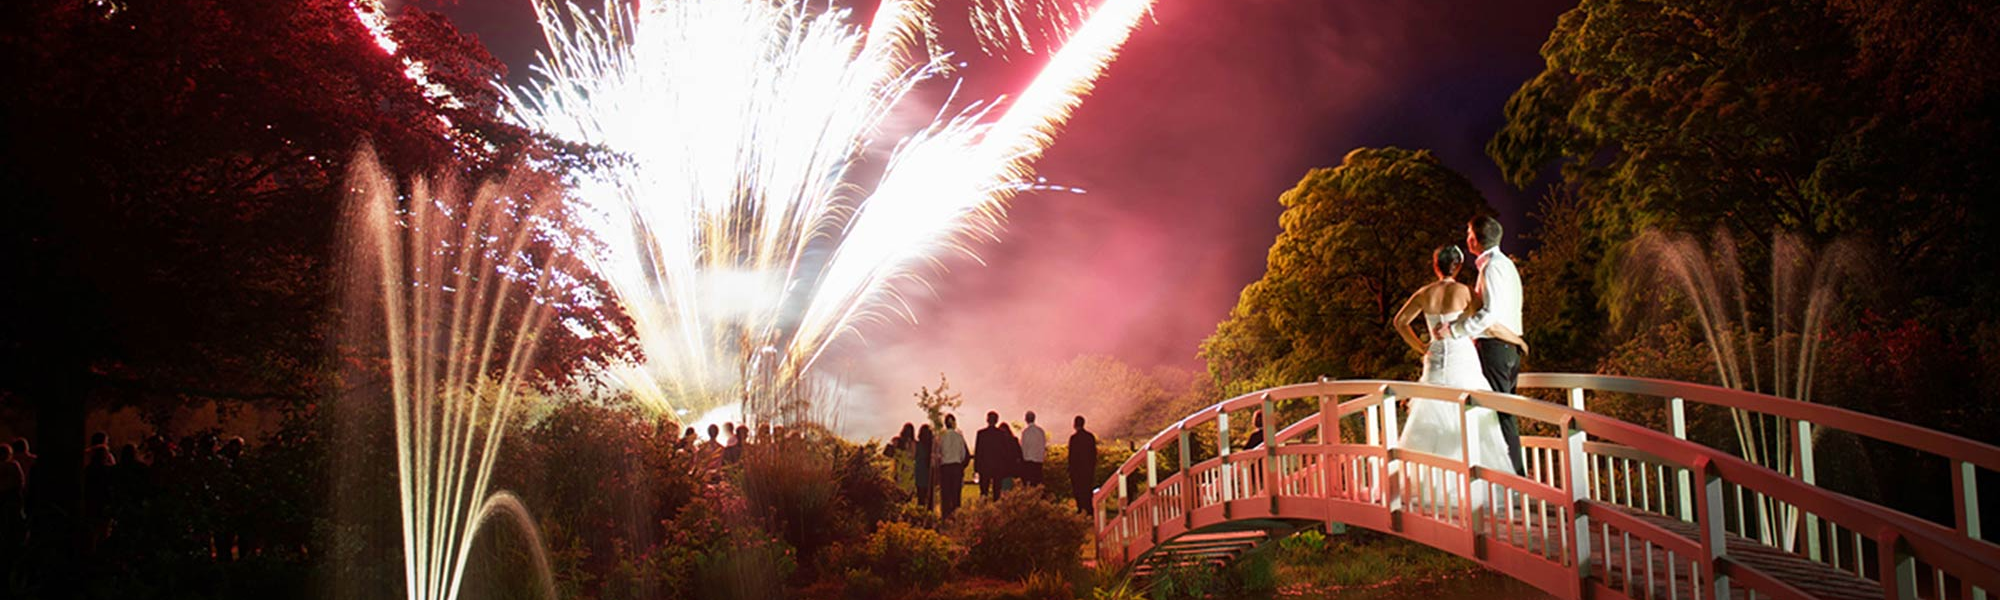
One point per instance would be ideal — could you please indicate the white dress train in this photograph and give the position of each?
(1433, 425)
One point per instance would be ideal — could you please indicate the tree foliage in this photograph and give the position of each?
(1356, 242)
(1827, 118)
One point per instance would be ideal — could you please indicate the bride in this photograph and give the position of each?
(1433, 426)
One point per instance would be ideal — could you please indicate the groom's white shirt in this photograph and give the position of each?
(1499, 286)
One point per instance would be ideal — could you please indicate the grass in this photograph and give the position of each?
(1361, 558)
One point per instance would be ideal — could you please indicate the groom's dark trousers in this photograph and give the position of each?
(1501, 363)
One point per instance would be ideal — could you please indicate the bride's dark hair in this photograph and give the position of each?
(1447, 259)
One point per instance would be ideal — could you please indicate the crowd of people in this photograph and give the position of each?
(932, 464)
(191, 496)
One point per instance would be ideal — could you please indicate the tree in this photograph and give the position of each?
(936, 403)
(176, 170)
(1823, 118)
(1357, 241)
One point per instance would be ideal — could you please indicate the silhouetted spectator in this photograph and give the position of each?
(1009, 464)
(990, 466)
(26, 458)
(925, 461)
(13, 506)
(1082, 465)
(231, 491)
(901, 454)
(729, 437)
(97, 484)
(1256, 431)
(734, 451)
(1034, 450)
(763, 432)
(951, 466)
(689, 439)
(713, 436)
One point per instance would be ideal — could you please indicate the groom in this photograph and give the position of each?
(1499, 290)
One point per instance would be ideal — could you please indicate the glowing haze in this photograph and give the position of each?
(740, 237)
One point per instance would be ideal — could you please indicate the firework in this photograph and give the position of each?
(739, 240)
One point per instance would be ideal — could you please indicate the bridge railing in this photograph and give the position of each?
(1539, 525)
(1797, 529)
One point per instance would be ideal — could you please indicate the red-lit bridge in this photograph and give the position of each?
(1606, 509)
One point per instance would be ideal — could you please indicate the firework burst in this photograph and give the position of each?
(740, 241)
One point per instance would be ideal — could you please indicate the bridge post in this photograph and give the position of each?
(1679, 410)
(1392, 469)
(1471, 454)
(1965, 506)
(1899, 567)
(1329, 435)
(1804, 455)
(1576, 469)
(1714, 538)
(1190, 489)
(1274, 471)
(1225, 475)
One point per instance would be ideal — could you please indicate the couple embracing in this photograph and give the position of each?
(1475, 344)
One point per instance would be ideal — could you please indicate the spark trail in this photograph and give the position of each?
(740, 241)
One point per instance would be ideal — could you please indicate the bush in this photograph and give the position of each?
(1304, 544)
(909, 556)
(748, 567)
(1021, 533)
(1045, 586)
(1192, 580)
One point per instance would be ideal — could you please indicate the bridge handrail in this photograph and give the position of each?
(1820, 415)
(1940, 546)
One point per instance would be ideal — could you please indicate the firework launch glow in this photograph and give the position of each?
(738, 237)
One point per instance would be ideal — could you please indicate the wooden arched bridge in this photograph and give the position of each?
(1606, 508)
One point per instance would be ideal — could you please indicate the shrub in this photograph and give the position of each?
(748, 567)
(1041, 585)
(1190, 580)
(1304, 544)
(1021, 533)
(908, 555)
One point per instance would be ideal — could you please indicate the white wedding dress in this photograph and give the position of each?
(1433, 425)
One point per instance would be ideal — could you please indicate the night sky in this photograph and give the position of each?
(1210, 113)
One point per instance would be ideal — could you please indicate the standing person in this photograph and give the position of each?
(98, 461)
(951, 465)
(1082, 465)
(925, 462)
(13, 514)
(1256, 431)
(986, 449)
(714, 434)
(1494, 314)
(902, 451)
(1009, 465)
(1034, 451)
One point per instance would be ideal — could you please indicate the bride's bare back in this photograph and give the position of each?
(1444, 297)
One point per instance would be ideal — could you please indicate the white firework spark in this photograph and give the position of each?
(739, 243)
